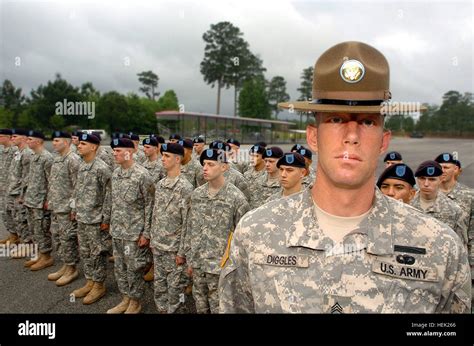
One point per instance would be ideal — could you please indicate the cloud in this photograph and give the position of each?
(428, 45)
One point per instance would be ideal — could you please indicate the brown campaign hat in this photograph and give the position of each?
(350, 77)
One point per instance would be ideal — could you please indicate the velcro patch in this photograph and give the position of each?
(272, 259)
(409, 272)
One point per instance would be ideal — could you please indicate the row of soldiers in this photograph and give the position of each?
(168, 210)
(172, 204)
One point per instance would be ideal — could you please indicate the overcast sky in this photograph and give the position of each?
(429, 45)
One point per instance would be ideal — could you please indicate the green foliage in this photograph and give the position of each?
(277, 93)
(253, 99)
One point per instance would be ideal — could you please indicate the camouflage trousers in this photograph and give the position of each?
(94, 246)
(169, 289)
(130, 263)
(64, 232)
(39, 222)
(16, 218)
(205, 292)
(3, 206)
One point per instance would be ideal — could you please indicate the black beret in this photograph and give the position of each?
(150, 141)
(60, 134)
(90, 138)
(76, 133)
(20, 132)
(296, 147)
(219, 145)
(160, 139)
(233, 141)
(261, 144)
(292, 159)
(6, 132)
(393, 156)
(134, 137)
(399, 171)
(199, 139)
(257, 149)
(429, 169)
(36, 134)
(175, 136)
(304, 151)
(457, 163)
(445, 158)
(124, 135)
(212, 154)
(122, 143)
(273, 152)
(186, 143)
(173, 148)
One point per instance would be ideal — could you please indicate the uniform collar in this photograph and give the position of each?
(126, 173)
(305, 232)
(434, 208)
(220, 194)
(171, 185)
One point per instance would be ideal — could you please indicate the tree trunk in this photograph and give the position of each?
(218, 108)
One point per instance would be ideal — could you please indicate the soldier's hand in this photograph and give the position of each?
(180, 260)
(20, 200)
(190, 272)
(72, 216)
(45, 205)
(104, 226)
(142, 241)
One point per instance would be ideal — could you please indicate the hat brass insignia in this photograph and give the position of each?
(352, 71)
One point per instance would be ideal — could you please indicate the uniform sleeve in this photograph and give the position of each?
(187, 238)
(185, 200)
(148, 193)
(470, 234)
(26, 159)
(243, 186)
(457, 282)
(107, 203)
(234, 284)
(242, 208)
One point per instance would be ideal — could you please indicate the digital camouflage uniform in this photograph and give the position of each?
(251, 175)
(237, 179)
(464, 197)
(91, 203)
(308, 180)
(39, 219)
(6, 156)
(397, 261)
(191, 171)
(105, 155)
(132, 205)
(139, 157)
(211, 219)
(261, 189)
(61, 186)
(16, 212)
(446, 211)
(156, 169)
(166, 240)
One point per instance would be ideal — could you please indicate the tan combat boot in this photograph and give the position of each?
(150, 275)
(69, 276)
(11, 239)
(97, 292)
(44, 262)
(56, 275)
(134, 307)
(32, 261)
(121, 307)
(83, 291)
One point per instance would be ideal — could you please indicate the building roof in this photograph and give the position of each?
(224, 117)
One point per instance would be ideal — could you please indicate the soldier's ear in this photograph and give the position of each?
(312, 137)
(386, 137)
